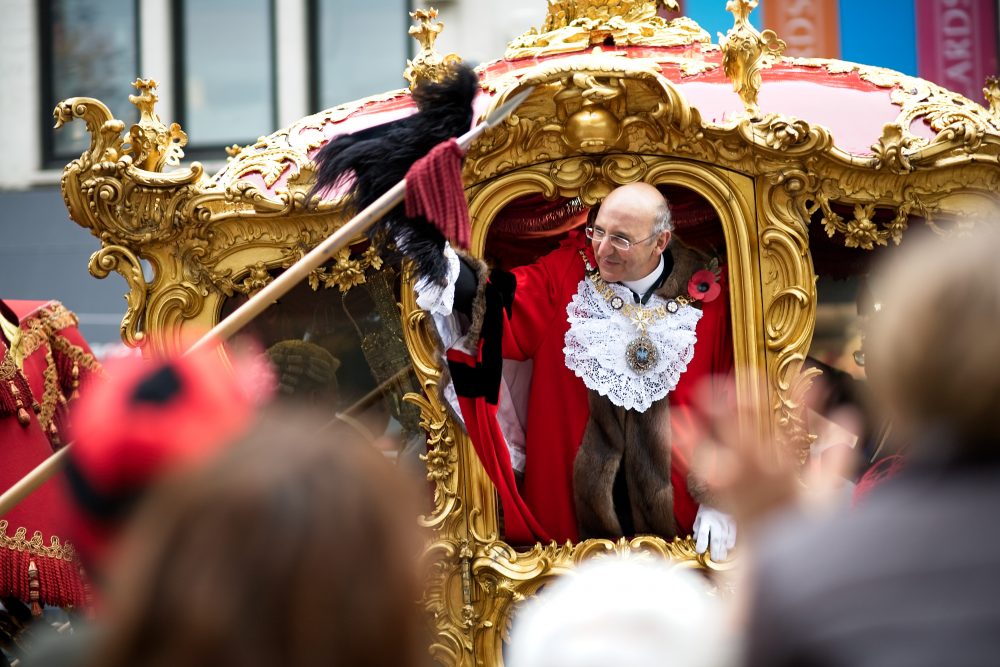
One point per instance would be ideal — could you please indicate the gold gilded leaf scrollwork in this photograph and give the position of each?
(346, 271)
(508, 577)
(785, 134)
(745, 52)
(959, 122)
(105, 130)
(121, 203)
(121, 259)
(861, 231)
(891, 150)
(589, 104)
(789, 303)
(445, 601)
(443, 434)
(991, 91)
(575, 25)
(153, 145)
(593, 178)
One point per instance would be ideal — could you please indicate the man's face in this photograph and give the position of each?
(632, 219)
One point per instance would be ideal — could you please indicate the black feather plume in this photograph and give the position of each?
(378, 157)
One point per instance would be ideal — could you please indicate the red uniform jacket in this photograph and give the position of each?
(32, 412)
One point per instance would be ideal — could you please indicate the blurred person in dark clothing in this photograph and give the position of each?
(294, 547)
(911, 576)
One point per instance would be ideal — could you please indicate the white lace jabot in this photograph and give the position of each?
(596, 347)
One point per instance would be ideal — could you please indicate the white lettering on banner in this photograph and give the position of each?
(799, 28)
(956, 26)
(800, 33)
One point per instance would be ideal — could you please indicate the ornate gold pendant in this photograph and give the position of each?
(641, 354)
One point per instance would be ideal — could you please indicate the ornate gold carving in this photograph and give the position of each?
(992, 94)
(428, 64)
(891, 150)
(861, 231)
(576, 25)
(745, 52)
(962, 125)
(153, 144)
(205, 238)
(121, 259)
(507, 577)
(592, 103)
(346, 271)
(443, 438)
(36, 545)
(789, 303)
(880, 76)
(282, 161)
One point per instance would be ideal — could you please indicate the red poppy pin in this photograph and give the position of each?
(704, 286)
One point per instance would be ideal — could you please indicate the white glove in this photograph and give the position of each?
(716, 528)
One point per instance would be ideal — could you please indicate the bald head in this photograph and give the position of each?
(643, 200)
(630, 231)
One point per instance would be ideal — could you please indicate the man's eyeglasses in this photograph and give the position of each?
(617, 242)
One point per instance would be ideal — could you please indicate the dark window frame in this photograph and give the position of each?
(44, 12)
(313, 51)
(214, 151)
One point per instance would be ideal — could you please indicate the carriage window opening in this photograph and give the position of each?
(225, 70)
(349, 33)
(89, 48)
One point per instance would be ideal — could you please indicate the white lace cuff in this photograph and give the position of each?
(436, 298)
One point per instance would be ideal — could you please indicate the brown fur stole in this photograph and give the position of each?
(634, 444)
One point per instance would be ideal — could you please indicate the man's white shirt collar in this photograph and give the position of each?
(642, 285)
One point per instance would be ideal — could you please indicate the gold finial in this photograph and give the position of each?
(428, 65)
(992, 93)
(564, 12)
(745, 52)
(153, 145)
(575, 25)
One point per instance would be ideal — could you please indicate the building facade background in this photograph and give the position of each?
(232, 70)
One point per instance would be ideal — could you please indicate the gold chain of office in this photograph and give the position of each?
(641, 353)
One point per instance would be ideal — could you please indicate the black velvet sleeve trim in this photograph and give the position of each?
(483, 379)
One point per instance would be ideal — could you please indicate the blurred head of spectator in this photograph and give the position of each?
(296, 546)
(623, 612)
(933, 346)
(150, 419)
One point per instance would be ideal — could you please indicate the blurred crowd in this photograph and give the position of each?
(219, 527)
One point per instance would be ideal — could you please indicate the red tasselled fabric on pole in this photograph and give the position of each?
(434, 191)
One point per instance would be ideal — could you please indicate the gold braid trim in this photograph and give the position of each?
(44, 323)
(8, 367)
(85, 359)
(50, 394)
(42, 328)
(35, 546)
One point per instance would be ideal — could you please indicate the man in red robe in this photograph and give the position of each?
(614, 337)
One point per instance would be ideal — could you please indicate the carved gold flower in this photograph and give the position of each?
(781, 133)
(862, 232)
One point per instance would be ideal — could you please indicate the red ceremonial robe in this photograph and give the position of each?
(36, 562)
(533, 326)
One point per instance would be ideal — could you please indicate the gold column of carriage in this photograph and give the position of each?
(800, 163)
